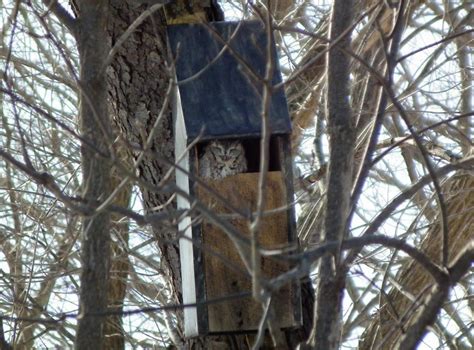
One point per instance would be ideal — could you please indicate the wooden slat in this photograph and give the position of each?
(224, 271)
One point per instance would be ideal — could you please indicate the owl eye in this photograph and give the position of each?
(215, 149)
(234, 152)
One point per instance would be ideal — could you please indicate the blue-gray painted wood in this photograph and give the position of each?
(223, 102)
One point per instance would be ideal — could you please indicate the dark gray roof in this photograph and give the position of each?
(223, 98)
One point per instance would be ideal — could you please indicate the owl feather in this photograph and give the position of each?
(222, 158)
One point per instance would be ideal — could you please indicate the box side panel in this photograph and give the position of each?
(186, 252)
(284, 145)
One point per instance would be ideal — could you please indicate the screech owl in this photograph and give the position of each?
(222, 158)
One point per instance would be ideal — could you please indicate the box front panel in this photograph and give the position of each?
(225, 272)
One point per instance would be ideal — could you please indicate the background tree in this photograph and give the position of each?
(72, 179)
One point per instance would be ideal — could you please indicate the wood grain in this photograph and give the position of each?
(225, 274)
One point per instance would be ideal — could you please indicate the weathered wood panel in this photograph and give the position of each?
(224, 271)
(222, 98)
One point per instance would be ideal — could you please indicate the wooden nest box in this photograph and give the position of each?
(217, 98)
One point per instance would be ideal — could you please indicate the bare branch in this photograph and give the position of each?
(434, 302)
(62, 14)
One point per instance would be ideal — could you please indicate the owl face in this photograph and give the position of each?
(226, 150)
(222, 158)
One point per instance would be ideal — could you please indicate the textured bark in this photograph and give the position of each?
(138, 80)
(93, 50)
(328, 317)
(399, 309)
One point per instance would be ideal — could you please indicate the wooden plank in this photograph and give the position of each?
(222, 99)
(184, 226)
(224, 271)
(285, 154)
(200, 281)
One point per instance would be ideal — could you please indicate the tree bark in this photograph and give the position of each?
(328, 318)
(138, 81)
(93, 49)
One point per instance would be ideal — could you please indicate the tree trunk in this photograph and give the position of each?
(138, 82)
(328, 313)
(93, 50)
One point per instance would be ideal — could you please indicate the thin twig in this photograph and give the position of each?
(435, 301)
(405, 195)
(308, 258)
(445, 39)
(264, 161)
